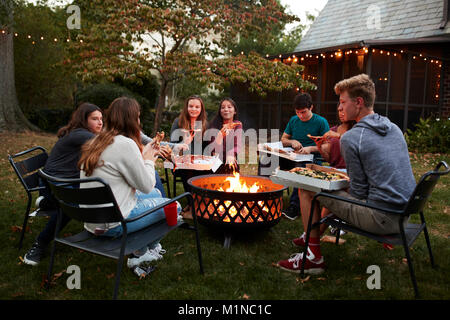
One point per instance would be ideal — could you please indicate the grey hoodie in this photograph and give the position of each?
(377, 160)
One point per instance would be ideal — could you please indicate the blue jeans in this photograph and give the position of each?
(145, 202)
(159, 184)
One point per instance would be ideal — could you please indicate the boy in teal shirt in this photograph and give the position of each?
(296, 136)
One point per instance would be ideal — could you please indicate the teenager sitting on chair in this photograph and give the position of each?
(227, 136)
(378, 164)
(330, 149)
(86, 121)
(118, 157)
(188, 129)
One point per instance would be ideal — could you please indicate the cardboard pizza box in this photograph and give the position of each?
(292, 179)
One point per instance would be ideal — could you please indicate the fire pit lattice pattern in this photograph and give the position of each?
(236, 209)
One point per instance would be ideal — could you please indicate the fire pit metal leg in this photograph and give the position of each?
(227, 241)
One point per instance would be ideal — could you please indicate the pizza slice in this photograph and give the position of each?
(315, 138)
(157, 140)
(323, 175)
(229, 126)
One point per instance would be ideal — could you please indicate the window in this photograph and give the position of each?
(380, 73)
(417, 81)
(433, 82)
(396, 113)
(310, 74)
(332, 75)
(398, 78)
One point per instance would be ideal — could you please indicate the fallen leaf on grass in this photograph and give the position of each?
(245, 296)
(110, 276)
(241, 263)
(19, 229)
(17, 294)
(178, 253)
(332, 239)
(55, 277)
(303, 280)
(321, 279)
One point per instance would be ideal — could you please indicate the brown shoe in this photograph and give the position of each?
(186, 213)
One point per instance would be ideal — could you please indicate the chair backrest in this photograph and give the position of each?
(26, 169)
(424, 189)
(93, 204)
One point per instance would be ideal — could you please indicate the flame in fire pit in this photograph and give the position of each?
(237, 185)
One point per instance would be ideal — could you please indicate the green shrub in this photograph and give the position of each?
(49, 119)
(102, 94)
(429, 135)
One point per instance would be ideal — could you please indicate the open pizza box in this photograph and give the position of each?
(276, 148)
(293, 179)
(194, 162)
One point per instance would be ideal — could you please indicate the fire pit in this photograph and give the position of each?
(235, 203)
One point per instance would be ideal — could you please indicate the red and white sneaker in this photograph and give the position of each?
(313, 265)
(299, 242)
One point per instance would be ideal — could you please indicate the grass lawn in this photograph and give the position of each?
(245, 271)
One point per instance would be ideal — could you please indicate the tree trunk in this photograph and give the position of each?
(11, 116)
(161, 105)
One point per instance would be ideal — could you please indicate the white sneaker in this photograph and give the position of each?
(149, 256)
(159, 249)
(38, 201)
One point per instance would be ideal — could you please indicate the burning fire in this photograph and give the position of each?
(237, 185)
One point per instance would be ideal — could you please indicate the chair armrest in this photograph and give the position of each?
(440, 164)
(359, 203)
(162, 205)
(28, 151)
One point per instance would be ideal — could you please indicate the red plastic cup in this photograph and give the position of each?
(171, 213)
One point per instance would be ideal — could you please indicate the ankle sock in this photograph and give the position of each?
(314, 245)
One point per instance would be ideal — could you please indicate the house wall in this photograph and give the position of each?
(407, 85)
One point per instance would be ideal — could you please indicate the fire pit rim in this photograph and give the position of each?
(221, 193)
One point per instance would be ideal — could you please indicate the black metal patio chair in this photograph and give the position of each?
(26, 170)
(407, 235)
(98, 205)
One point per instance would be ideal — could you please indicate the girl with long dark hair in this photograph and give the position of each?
(117, 156)
(227, 142)
(189, 128)
(86, 121)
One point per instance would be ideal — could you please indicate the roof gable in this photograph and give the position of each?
(348, 21)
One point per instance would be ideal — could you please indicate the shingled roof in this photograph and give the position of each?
(343, 22)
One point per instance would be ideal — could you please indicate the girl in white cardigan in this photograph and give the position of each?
(117, 156)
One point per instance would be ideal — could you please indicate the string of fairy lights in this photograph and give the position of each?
(289, 59)
(362, 51)
(294, 58)
(36, 39)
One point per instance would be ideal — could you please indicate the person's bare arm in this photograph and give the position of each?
(308, 150)
(287, 142)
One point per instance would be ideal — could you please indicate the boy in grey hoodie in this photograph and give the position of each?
(377, 160)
